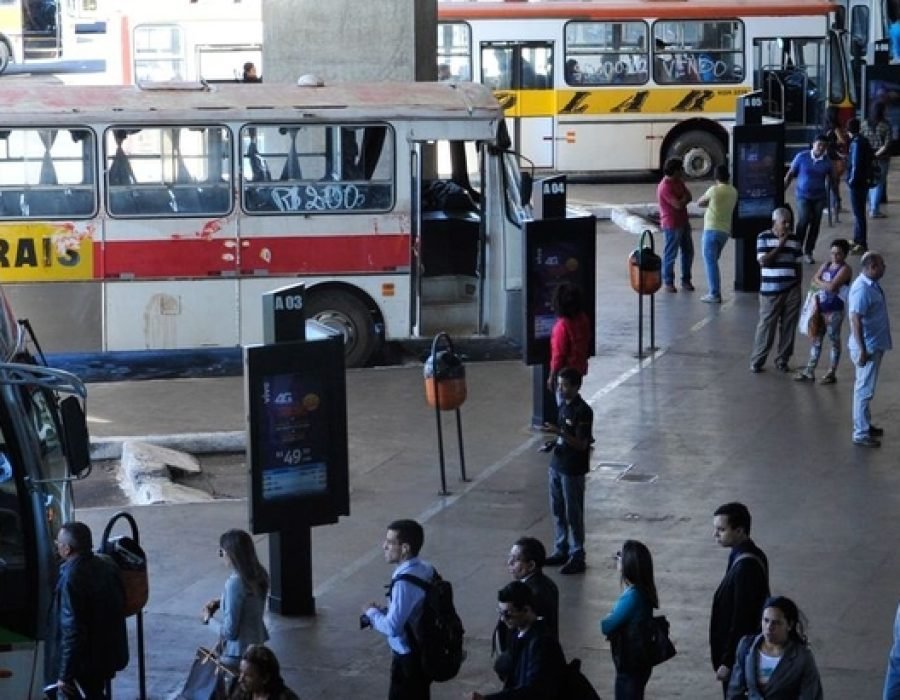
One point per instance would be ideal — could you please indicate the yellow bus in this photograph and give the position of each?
(606, 85)
(34, 29)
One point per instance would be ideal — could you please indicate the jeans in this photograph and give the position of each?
(630, 686)
(567, 507)
(863, 391)
(833, 322)
(778, 312)
(677, 238)
(809, 218)
(860, 225)
(713, 243)
(876, 194)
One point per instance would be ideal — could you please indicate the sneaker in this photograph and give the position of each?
(556, 559)
(804, 375)
(670, 288)
(687, 286)
(829, 378)
(575, 565)
(782, 366)
(875, 431)
(857, 249)
(711, 299)
(878, 215)
(808, 259)
(867, 441)
(756, 369)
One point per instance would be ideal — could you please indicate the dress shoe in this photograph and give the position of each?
(687, 286)
(867, 441)
(556, 559)
(875, 431)
(575, 565)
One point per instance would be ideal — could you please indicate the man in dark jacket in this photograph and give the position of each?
(738, 602)
(859, 169)
(525, 564)
(537, 662)
(90, 600)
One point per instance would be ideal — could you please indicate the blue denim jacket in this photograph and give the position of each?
(242, 618)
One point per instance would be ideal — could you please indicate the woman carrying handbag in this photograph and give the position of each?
(243, 600)
(623, 625)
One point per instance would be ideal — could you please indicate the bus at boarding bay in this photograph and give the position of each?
(154, 218)
(604, 85)
(43, 447)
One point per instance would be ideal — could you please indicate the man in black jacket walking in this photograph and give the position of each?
(738, 602)
(92, 643)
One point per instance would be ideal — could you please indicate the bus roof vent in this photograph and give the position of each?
(310, 80)
(175, 85)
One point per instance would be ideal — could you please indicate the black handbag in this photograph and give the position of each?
(642, 644)
(208, 678)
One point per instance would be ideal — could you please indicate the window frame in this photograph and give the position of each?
(569, 53)
(324, 187)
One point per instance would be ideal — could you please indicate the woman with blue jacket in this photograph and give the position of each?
(243, 601)
(635, 605)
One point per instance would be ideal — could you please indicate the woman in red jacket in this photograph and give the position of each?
(570, 339)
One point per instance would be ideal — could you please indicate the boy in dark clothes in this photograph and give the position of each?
(567, 471)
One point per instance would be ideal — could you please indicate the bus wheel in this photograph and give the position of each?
(347, 314)
(4, 56)
(700, 152)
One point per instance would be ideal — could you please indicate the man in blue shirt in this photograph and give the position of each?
(870, 337)
(401, 546)
(813, 170)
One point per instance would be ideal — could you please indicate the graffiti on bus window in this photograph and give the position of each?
(317, 197)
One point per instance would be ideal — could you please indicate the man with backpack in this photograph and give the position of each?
(406, 603)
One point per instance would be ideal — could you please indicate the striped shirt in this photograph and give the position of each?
(783, 272)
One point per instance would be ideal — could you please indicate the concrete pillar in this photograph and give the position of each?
(349, 40)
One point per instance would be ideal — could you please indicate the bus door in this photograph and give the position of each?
(170, 257)
(521, 75)
(448, 214)
(794, 77)
(43, 28)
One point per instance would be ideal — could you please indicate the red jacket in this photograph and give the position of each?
(570, 343)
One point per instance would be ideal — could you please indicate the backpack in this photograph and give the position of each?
(575, 686)
(437, 637)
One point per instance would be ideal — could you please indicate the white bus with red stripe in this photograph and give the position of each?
(154, 219)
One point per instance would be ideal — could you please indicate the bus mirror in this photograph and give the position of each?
(525, 188)
(78, 448)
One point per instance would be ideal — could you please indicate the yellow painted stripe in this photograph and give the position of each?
(620, 100)
(45, 251)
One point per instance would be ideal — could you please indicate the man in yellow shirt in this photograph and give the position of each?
(719, 201)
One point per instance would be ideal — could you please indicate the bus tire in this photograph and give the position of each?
(346, 313)
(700, 152)
(5, 55)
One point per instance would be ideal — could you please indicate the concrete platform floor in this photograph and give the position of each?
(697, 429)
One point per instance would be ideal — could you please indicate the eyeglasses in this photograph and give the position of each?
(221, 552)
